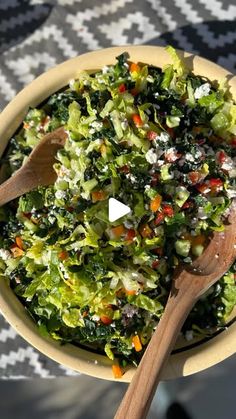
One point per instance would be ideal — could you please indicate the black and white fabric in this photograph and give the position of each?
(38, 34)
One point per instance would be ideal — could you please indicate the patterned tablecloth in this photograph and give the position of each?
(38, 34)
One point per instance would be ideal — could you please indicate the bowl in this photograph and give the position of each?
(186, 358)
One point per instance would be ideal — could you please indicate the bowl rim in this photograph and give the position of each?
(192, 359)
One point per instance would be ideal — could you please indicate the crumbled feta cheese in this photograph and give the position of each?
(189, 157)
(60, 194)
(201, 213)
(91, 131)
(78, 151)
(105, 69)
(160, 162)
(147, 187)
(151, 156)
(163, 137)
(231, 193)
(97, 125)
(95, 318)
(156, 94)
(202, 90)
(4, 254)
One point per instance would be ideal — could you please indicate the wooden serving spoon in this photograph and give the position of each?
(189, 284)
(37, 170)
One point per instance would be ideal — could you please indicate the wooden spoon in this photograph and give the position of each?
(188, 285)
(37, 170)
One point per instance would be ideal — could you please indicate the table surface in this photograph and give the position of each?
(37, 34)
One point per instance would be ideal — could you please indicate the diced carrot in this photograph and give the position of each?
(118, 231)
(156, 203)
(63, 255)
(105, 319)
(122, 88)
(26, 125)
(98, 196)
(145, 231)
(19, 242)
(134, 67)
(137, 343)
(117, 371)
(137, 120)
(130, 292)
(16, 251)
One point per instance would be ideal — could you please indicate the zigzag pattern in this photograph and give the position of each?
(37, 34)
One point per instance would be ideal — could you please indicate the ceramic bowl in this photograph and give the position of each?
(188, 357)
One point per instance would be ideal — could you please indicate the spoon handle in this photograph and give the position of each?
(139, 395)
(21, 182)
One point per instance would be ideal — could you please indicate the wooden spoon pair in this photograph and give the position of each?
(188, 285)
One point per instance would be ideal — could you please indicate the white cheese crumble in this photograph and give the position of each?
(60, 194)
(97, 125)
(202, 90)
(151, 156)
(163, 137)
(189, 157)
(105, 69)
(4, 254)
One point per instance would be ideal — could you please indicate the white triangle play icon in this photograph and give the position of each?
(116, 209)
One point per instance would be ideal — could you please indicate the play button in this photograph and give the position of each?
(116, 209)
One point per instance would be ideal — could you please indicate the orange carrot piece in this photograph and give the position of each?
(155, 203)
(130, 292)
(137, 120)
(16, 251)
(63, 255)
(134, 67)
(19, 242)
(137, 343)
(98, 196)
(118, 231)
(117, 371)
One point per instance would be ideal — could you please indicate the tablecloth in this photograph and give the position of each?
(37, 34)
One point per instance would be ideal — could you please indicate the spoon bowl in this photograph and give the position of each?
(188, 285)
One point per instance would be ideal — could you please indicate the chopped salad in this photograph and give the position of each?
(163, 142)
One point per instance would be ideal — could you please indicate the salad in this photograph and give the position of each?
(163, 142)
